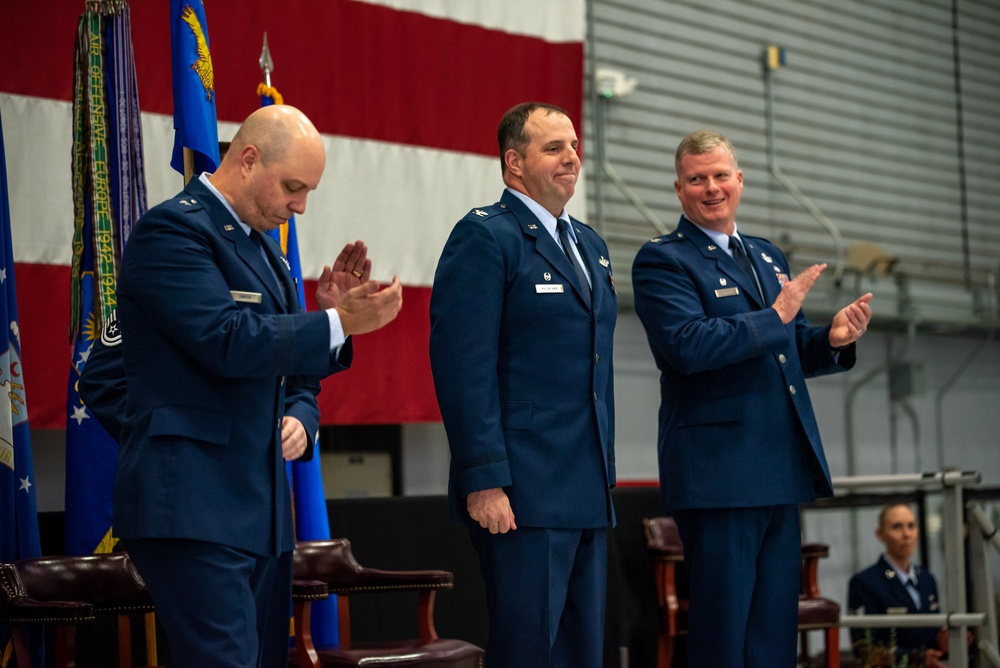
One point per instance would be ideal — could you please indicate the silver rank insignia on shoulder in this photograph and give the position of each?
(547, 276)
(654, 240)
(711, 247)
(480, 213)
(532, 226)
(228, 228)
(680, 235)
(767, 258)
(187, 203)
(605, 262)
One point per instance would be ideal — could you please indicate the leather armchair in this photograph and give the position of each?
(329, 566)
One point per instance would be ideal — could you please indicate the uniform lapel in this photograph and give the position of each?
(725, 264)
(597, 272)
(544, 243)
(899, 593)
(227, 228)
(282, 272)
(765, 271)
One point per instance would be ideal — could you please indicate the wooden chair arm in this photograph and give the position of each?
(376, 580)
(309, 590)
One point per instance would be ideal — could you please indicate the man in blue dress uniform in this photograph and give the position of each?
(213, 383)
(739, 447)
(523, 311)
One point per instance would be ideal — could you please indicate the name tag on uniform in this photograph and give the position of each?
(248, 297)
(548, 288)
(727, 292)
(895, 611)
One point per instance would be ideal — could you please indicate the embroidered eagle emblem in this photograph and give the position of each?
(202, 66)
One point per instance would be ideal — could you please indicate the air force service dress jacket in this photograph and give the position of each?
(216, 351)
(878, 590)
(736, 426)
(523, 370)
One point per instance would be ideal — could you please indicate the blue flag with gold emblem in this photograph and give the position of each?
(306, 478)
(19, 533)
(195, 125)
(109, 196)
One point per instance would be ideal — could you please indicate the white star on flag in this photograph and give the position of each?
(25, 484)
(79, 414)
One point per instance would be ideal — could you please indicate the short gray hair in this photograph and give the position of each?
(702, 141)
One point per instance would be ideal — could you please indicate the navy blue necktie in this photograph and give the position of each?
(911, 589)
(741, 258)
(581, 275)
(255, 237)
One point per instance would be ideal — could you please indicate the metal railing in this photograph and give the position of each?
(982, 589)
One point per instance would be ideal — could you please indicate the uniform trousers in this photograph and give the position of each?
(219, 607)
(545, 592)
(743, 567)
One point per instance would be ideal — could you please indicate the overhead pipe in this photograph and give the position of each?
(611, 84)
(774, 57)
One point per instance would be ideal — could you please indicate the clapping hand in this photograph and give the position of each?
(351, 269)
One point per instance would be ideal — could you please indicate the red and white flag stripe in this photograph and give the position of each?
(407, 94)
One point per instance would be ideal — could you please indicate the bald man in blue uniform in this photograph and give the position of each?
(213, 383)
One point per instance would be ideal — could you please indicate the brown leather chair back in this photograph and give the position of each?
(66, 591)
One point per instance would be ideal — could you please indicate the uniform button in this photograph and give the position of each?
(791, 388)
(781, 358)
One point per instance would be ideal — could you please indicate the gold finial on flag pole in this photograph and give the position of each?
(267, 65)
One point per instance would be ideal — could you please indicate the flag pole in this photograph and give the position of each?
(188, 165)
(309, 514)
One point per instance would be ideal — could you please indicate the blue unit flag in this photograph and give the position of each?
(195, 125)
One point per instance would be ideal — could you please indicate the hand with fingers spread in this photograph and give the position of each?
(794, 292)
(351, 268)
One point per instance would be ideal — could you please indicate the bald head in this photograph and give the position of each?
(274, 130)
(275, 160)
